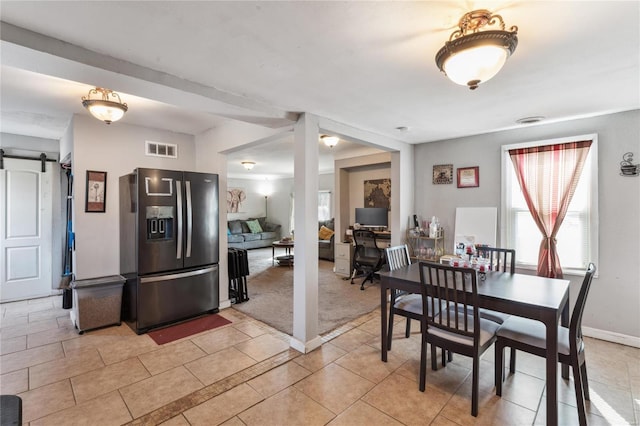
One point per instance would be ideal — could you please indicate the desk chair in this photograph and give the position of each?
(530, 336)
(459, 328)
(367, 256)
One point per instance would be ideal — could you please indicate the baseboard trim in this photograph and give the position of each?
(224, 304)
(307, 347)
(611, 336)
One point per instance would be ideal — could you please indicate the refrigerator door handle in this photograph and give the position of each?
(179, 199)
(175, 276)
(187, 184)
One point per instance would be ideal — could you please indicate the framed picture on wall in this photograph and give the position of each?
(442, 174)
(96, 192)
(468, 177)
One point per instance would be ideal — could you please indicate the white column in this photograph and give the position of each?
(305, 274)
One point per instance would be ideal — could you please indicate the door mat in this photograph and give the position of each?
(188, 328)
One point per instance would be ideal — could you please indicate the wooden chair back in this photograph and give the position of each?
(575, 324)
(502, 259)
(397, 257)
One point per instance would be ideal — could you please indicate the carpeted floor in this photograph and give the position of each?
(271, 295)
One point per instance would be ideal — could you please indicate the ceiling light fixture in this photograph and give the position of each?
(330, 141)
(471, 56)
(105, 108)
(530, 120)
(248, 164)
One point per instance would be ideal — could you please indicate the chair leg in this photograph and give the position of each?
(577, 379)
(444, 358)
(499, 367)
(407, 332)
(474, 384)
(423, 364)
(512, 361)
(434, 358)
(585, 381)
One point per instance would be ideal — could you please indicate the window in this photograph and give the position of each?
(324, 205)
(577, 240)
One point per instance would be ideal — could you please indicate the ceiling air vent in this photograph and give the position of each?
(161, 149)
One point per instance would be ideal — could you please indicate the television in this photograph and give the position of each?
(372, 217)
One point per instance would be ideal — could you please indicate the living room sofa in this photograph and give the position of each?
(326, 246)
(240, 235)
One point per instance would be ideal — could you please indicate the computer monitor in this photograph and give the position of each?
(372, 217)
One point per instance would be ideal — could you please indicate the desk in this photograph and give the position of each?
(529, 296)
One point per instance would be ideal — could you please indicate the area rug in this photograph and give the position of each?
(271, 295)
(187, 328)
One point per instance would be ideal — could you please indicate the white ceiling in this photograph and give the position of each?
(190, 66)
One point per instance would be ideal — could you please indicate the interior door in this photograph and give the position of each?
(25, 229)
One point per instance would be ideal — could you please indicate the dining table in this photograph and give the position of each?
(528, 296)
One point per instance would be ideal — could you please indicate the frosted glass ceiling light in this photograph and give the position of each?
(248, 164)
(472, 56)
(105, 107)
(330, 141)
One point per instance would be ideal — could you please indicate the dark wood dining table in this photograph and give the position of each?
(529, 296)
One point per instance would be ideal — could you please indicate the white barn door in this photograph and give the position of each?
(25, 229)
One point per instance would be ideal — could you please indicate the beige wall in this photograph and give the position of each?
(613, 306)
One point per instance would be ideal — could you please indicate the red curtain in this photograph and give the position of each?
(548, 177)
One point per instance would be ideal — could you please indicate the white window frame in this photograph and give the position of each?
(322, 194)
(593, 222)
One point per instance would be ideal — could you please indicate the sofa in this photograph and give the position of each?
(326, 245)
(252, 233)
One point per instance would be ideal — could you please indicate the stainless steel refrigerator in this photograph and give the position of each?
(168, 246)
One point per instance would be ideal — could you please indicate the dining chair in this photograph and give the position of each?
(367, 256)
(530, 336)
(501, 260)
(459, 328)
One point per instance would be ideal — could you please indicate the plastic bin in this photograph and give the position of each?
(97, 302)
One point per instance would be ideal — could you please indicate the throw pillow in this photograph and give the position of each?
(254, 226)
(325, 233)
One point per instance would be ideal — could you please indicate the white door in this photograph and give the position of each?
(25, 229)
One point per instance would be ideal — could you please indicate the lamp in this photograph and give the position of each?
(248, 164)
(103, 108)
(330, 141)
(471, 56)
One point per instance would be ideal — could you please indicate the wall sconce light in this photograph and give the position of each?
(248, 164)
(108, 107)
(330, 141)
(471, 56)
(627, 168)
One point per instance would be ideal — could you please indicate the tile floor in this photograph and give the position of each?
(245, 374)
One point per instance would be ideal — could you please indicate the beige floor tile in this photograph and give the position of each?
(443, 421)
(223, 407)
(64, 368)
(46, 400)
(352, 339)
(176, 421)
(14, 320)
(28, 328)
(524, 390)
(51, 336)
(402, 347)
(250, 328)
(234, 421)
(320, 357)
(171, 356)
(568, 415)
(361, 413)
(48, 314)
(447, 379)
(263, 347)
(371, 326)
(15, 382)
(106, 410)
(220, 339)
(400, 398)
(13, 344)
(106, 379)
(365, 361)
(89, 341)
(152, 393)
(234, 316)
(219, 365)
(126, 347)
(27, 358)
(274, 381)
(289, 407)
(335, 387)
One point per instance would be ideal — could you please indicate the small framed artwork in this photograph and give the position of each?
(443, 173)
(96, 192)
(468, 177)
